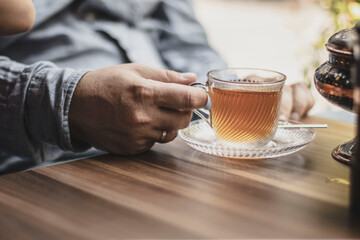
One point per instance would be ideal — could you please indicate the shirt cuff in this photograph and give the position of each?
(69, 144)
(49, 95)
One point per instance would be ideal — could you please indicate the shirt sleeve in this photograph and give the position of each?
(182, 41)
(34, 109)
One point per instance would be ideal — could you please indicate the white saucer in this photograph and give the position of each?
(200, 136)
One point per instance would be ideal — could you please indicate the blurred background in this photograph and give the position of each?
(284, 35)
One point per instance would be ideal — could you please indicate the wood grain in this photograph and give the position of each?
(174, 191)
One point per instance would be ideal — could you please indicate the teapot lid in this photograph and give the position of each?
(341, 42)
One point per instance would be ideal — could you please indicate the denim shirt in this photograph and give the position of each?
(39, 70)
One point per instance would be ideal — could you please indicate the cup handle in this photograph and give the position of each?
(202, 111)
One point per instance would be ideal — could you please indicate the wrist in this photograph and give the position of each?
(77, 116)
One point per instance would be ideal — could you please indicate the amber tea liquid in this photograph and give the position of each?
(240, 116)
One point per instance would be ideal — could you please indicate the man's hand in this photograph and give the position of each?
(296, 102)
(124, 109)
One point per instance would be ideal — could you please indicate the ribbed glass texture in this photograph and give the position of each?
(245, 105)
(285, 141)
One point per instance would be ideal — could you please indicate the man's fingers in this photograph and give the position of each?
(176, 96)
(302, 101)
(286, 103)
(310, 101)
(172, 119)
(166, 76)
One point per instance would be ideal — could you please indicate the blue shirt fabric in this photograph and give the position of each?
(39, 70)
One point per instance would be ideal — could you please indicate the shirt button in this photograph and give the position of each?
(90, 16)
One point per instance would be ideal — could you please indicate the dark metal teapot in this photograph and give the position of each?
(332, 80)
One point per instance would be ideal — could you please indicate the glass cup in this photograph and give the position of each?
(245, 105)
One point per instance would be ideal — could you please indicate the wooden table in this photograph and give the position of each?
(174, 191)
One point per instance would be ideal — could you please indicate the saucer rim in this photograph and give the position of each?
(300, 144)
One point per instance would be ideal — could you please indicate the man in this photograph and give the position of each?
(81, 97)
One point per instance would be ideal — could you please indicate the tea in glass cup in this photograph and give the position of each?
(245, 105)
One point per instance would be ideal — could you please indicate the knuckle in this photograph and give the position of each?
(190, 100)
(142, 93)
(168, 74)
(139, 120)
(135, 66)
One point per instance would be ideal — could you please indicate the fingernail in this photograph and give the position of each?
(282, 117)
(294, 116)
(188, 76)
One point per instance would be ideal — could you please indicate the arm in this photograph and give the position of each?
(182, 41)
(16, 16)
(34, 106)
(121, 109)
